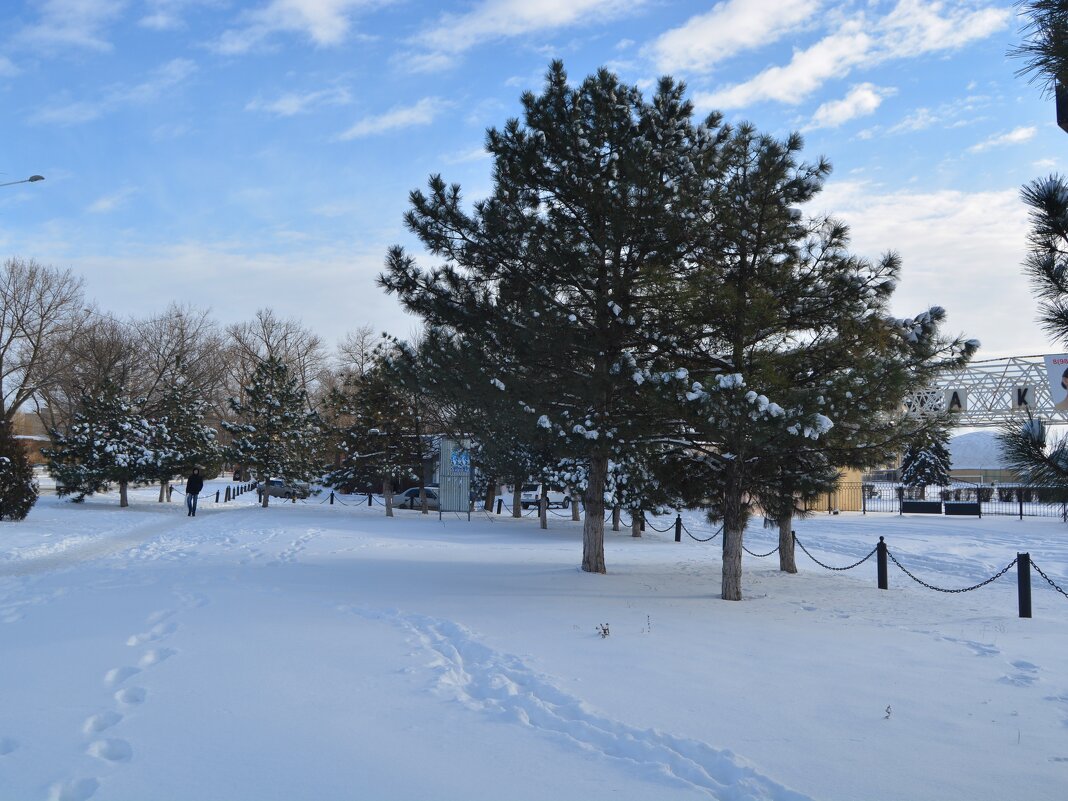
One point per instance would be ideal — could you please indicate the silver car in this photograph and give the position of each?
(277, 488)
(409, 499)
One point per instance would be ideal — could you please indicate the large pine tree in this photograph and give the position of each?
(276, 435)
(563, 273)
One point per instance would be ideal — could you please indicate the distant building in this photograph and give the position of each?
(30, 431)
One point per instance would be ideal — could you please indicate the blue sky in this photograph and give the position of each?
(238, 155)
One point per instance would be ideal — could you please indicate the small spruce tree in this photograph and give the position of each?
(18, 489)
(109, 442)
(276, 435)
(927, 462)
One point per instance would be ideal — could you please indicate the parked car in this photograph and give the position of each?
(278, 488)
(409, 499)
(530, 495)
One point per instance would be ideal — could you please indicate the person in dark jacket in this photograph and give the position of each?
(192, 489)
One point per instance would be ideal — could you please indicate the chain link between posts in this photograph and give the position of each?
(761, 555)
(829, 567)
(699, 539)
(990, 580)
(1048, 579)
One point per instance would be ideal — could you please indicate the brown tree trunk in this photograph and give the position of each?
(517, 491)
(593, 525)
(574, 505)
(615, 518)
(635, 523)
(733, 527)
(387, 493)
(787, 564)
(124, 499)
(491, 495)
(543, 508)
(163, 490)
(265, 498)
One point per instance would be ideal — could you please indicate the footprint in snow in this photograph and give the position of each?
(74, 790)
(1027, 675)
(111, 750)
(102, 722)
(154, 656)
(131, 696)
(154, 634)
(7, 745)
(117, 676)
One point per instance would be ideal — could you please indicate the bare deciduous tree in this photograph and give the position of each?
(269, 336)
(38, 305)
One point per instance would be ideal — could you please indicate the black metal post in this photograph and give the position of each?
(500, 503)
(216, 496)
(1019, 495)
(227, 496)
(884, 582)
(678, 528)
(863, 499)
(641, 523)
(1023, 582)
(368, 499)
(170, 489)
(331, 497)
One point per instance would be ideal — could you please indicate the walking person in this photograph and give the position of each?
(192, 489)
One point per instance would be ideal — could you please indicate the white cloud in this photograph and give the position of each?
(1013, 137)
(71, 23)
(910, 29)
(454, 34)
(467, 156)
(166, 15)
(831, 57)
(108, 203)
(729, 28)
(325, 22)
(862, 100)
(293, 103)
(423, 112)
(942, 236)
(7, 67)
(165, 77)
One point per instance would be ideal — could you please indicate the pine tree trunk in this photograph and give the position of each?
(635, 523)
(733, 526)
(615, 518)
(124, 499)
(543, 508)
(387, 494)
(491, 494)
(423, 505)
(517, 492)
(593, 525)
(265, 498)
(787, 564)
(574, 505)
(163, 490)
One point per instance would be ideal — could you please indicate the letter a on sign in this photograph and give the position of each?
(956, 400)
(1021, 397)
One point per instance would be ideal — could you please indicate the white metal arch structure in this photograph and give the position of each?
(989, 393)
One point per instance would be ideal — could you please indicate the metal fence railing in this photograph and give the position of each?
(959, 498)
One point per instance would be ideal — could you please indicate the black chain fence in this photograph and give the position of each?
(983, 583)
(830, 567)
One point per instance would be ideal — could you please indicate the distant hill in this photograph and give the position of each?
(974, 451)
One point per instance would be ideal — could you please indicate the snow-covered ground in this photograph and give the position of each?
(324, 652)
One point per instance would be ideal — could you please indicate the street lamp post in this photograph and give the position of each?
(31, 180)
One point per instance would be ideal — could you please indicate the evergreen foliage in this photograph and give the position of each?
(180, 440)
(383, 442)
(561, 279)
(276, 435)
(109, 442)
(18, 488)
(927, 461)
(1037, 457)
(1044, 50)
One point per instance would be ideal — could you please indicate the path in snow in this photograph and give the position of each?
(501, 685)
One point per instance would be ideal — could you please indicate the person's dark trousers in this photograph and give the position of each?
(191, 505)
